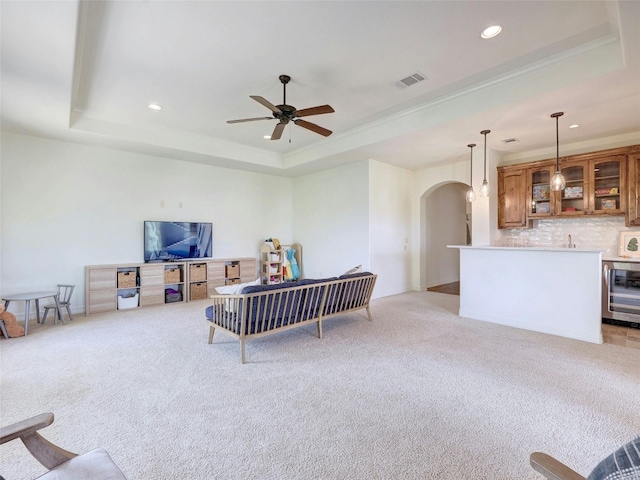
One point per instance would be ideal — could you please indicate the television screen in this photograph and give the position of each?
(175, 241)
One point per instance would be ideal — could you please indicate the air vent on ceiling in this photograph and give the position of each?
(510, 140)
(411, 80)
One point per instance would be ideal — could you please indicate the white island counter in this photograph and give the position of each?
(549, 290)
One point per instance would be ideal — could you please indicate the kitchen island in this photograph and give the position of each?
(549, 290)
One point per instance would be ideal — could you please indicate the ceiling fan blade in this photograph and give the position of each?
(305, 112)
(313, 127)
(266, 103)
(277, 132)
(242, 120)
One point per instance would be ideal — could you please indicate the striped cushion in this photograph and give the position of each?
(623, 464)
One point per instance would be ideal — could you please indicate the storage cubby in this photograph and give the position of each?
(149, 284)
(272, 262)
(270, 265)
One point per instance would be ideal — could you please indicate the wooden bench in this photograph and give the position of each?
(265, 309)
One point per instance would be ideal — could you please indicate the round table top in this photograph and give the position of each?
(29, 295)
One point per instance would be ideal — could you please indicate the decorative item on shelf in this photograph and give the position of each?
(542, 207)
(484, 188)
(471, 195)
(557, 182)
(541, 192)
(609, 204)
(606, 191)
(629, 244)
(573, 192)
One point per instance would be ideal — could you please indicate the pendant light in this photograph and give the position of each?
(484, 189)
(471, 195)
(557, 182)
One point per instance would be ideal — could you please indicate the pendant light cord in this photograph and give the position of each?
(484, 132)
(471, 145)
(556, 116)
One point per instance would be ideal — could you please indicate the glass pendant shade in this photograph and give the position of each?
(471, 195)
(484, 189)
(557, 182)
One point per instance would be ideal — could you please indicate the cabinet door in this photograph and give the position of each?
(574, 199)
(512, 211)
(540, 202)
(101, 278)
(633, 190)
(248, 270)
(152, 275)
(607, 195)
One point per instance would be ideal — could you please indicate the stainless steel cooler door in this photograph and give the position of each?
(621, 291)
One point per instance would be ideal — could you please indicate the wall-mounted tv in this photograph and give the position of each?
(176, 241)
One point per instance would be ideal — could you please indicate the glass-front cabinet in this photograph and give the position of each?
(540, 202)
(608, 179)
(573, 200)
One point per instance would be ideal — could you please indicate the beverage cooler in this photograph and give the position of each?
(621, 293)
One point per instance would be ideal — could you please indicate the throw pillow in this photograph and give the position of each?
(356, 269)
(623, 464)
(235, 289)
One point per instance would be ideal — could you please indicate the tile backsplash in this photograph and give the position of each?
(591, 232)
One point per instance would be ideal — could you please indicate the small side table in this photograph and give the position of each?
(27, 297)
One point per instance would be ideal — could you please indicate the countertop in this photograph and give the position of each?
(533, 249)
(611, 258)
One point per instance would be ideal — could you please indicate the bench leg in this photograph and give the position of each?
(242, 350)
(212, 330)
(369, 314)
(319, 328)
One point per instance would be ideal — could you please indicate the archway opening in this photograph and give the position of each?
(445, 219)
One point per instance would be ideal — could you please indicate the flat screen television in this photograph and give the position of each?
(177, 241)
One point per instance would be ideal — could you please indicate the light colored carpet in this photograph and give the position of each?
(417, 393)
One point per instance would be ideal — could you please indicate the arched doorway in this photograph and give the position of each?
(445, 219)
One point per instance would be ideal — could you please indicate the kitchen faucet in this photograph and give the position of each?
(570, 242)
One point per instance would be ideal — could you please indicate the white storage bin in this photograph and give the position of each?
(128, 302)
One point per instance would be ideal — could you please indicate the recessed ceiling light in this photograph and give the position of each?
(267, 137)
(155, 106)
(491, 31)
(575, 125)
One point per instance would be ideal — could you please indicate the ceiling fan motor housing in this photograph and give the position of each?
(288, 113)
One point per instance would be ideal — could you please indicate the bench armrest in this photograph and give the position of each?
(551, 468)
(45, 452)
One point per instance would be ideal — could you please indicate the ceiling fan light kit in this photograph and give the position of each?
(286, 113)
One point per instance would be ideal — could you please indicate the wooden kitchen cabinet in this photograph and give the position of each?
(596, 184)
(512, 184)
(633, 189)
(608, 182)
(573, 200)
(540, 202)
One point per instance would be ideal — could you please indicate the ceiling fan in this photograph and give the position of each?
(286, 113)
